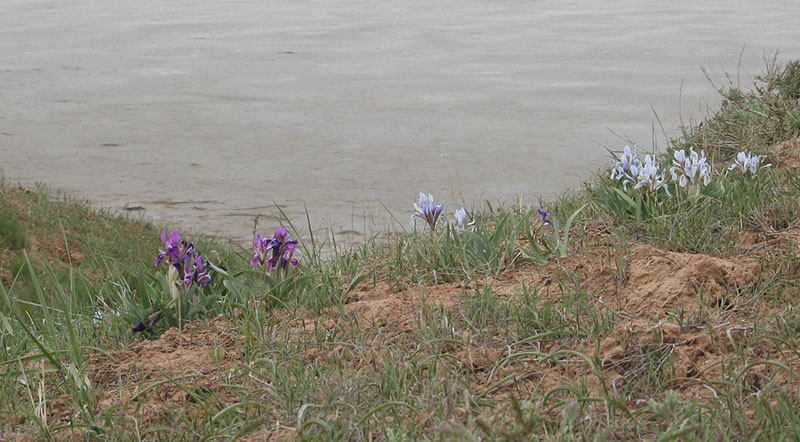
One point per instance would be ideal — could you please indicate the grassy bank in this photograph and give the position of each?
(634, 309)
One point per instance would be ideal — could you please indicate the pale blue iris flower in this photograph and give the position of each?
(691, 169)
(649, 177)
(461, 219)
(628, 164)
(427, 210)
(747, 162)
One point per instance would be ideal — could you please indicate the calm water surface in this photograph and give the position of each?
(206, 113)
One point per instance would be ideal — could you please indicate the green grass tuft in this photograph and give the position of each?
(12, 234)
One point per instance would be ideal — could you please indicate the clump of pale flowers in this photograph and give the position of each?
(643, 175)
(747, 162)
(690, 170)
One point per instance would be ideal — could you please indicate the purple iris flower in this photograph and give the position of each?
(427, 210)
(185, 263)
(275, 251)
(259, 251)
(191, 265)
(171, 249)
(197, 272)
(544, 214)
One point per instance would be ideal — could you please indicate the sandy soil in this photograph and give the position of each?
(657, 282)
(203, 114)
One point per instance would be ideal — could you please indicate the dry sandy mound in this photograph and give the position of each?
(786, 154)
(660, 281)
(197, 358)
(382, 306)
(791, 234)
(637, 346)
(692, 357)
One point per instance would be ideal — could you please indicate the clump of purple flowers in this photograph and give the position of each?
(275, 251)
(181, 254)
(185, 264)
(427, 210)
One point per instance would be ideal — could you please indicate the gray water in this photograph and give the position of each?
(205, 113)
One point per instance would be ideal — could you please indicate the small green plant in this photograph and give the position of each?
(546, 237)
(491, 246)
(787, 83)
(621, 204)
